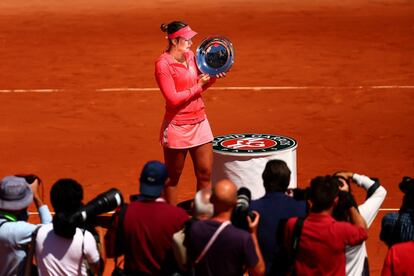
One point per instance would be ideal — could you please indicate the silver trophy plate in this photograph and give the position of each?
(215, 55)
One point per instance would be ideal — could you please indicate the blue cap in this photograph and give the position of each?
(152, 180)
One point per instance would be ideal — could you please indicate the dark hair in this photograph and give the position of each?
(66, 197)
(63, 226)
(323, 191)
(407, 187)
(276, 176)
(172, 27)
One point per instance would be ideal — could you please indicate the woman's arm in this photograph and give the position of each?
(166, 83)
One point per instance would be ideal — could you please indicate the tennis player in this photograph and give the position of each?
(185, 127)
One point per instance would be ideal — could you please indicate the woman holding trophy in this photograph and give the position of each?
(185, 128)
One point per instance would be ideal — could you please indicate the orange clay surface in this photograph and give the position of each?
(352, 63)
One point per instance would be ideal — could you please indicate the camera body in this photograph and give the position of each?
(407, 185)
(299, 193)
(241, 211)
(30, 178)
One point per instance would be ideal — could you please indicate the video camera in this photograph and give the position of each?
(241, 211)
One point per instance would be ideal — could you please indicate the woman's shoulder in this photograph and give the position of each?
(163, 58)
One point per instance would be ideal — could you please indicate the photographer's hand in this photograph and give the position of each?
(35, 189)
(259, 268)
(345, 178)
(255, 223)
(44, 213)
(346, 175)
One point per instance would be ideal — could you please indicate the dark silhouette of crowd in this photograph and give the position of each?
(317, 230)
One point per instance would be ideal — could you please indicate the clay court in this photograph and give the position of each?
(79, 98)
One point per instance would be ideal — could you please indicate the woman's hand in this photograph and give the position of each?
(220, 75)
(203, 79)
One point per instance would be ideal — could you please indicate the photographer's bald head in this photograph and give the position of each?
(224, 197)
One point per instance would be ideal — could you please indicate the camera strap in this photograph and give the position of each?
(7, 216)
(297, 232)
(31, 253)
(118, 235)
(83, 244)
(212, 239)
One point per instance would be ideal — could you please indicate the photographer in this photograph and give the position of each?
(399, 227)
(62, 247)
(322, 240)
(216, 247)
(275, 206)
(16, 194)
(147, 226)
(202, 209)
(356, 256)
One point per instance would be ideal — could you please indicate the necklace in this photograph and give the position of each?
(178, 59)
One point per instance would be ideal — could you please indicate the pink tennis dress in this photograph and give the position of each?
(185, 124)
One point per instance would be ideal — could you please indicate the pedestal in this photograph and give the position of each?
(243, 157)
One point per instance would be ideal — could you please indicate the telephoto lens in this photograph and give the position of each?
(103, 203)
(241, 211)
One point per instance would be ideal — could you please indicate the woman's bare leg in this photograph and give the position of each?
(174, 161)
(202, 157)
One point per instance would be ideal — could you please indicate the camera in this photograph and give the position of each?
(30, 178)
(65, 224)
(407, 185)
(104, 202)
(241, 211)
(299, 193)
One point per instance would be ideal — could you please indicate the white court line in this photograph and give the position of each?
(249, 88)
(30, 90)
(265, 88)
(261, 88)
(126, 89)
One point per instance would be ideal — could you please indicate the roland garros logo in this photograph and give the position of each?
(252, 143)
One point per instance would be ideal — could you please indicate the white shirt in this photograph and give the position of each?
(355, 255)
(59, 256)
(14, 237)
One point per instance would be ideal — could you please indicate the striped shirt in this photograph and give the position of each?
(397, 227)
